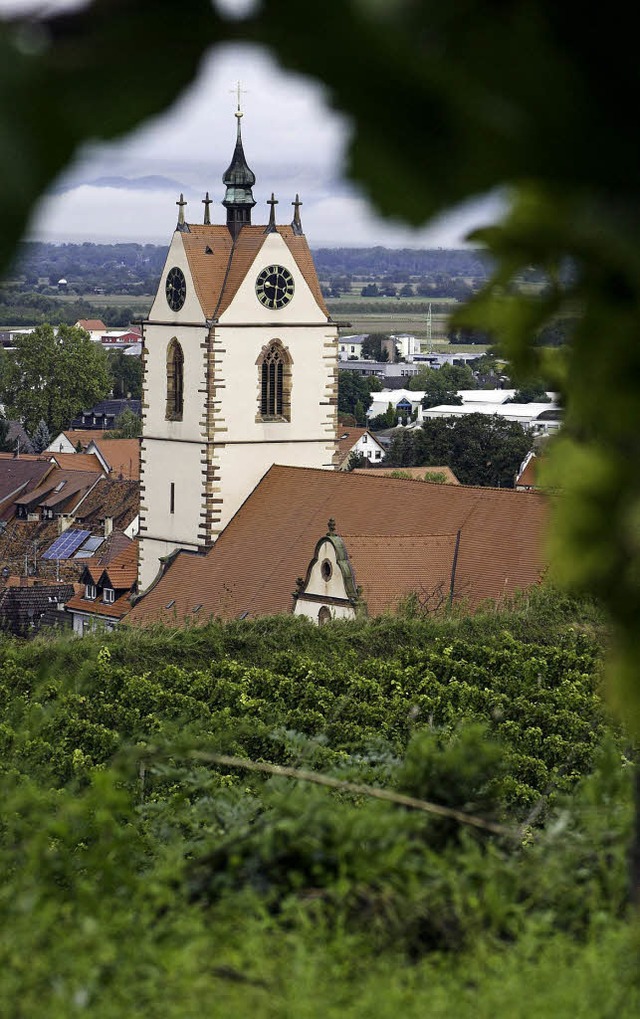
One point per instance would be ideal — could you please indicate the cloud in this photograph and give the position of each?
(293, 140)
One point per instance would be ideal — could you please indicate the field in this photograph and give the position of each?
(383, 315)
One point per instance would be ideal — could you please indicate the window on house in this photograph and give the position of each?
(324, 615)
(175, 381)
(364, 438)
(109, 595)
(172, 498)
(90, 591)
(275, 382)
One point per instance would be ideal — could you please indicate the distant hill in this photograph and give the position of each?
(469, 262)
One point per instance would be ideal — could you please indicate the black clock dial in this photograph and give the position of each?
(175, 288)
(274, 287)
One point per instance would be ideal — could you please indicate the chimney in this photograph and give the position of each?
(108, 526)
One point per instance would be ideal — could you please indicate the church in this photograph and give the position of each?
(244, 511)
(239, 369)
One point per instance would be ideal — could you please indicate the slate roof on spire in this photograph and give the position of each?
(238, 178)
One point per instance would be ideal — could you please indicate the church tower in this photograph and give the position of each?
(239, 370)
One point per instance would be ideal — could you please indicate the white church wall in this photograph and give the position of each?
(245, 306)
(190, 312)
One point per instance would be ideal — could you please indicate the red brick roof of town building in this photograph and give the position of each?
(119, 566)
(84, 436)
(19, 475)
(413, 473)
(252, 568)
(78, 461)
(91, 324)
(112, 498)
(122, 456)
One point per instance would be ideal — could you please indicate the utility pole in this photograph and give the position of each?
(429, 337)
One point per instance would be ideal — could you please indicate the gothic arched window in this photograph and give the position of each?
(175, 381)
(275, 382)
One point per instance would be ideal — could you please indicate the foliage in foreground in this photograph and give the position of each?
(142, 876)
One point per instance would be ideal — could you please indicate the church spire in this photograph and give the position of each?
(238, 179)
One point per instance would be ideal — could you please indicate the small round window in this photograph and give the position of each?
(326, 569)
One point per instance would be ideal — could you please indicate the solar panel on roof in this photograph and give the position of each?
(64, 546)
(89, 547)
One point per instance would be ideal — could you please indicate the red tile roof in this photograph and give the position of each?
(91, 324)
(84, 436)
(71, 486)
(219, 267)
(78, 461)
(389, 569)
(122, 456)
(19, 475)
(414, 473)
(528, 478)
(96, 607)
(253, 566)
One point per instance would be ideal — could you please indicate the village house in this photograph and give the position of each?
(108, 580)
(358, 442)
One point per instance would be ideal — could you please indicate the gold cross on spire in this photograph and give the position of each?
(239, 91)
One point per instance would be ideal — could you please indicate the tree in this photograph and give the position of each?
(479, 449)
(127, 426)
(534, 392)
(5, 445)
(353, 390)
(357, 461)
(437, 388)
(126, 370)
(52, 375)
(41, 438)
(441, 385)
(374, 347)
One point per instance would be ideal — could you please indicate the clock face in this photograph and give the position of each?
(175, 288)
(274, 287)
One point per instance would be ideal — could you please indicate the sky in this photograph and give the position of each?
(189, 147)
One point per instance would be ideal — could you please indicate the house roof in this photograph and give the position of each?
(253, 566)
(347, 438)
(118, 558)
(117, 567)
(19, 475)
(111, 610)
(122, 456)
(59, 488)
(218, 265)
(78, 462)
(83, 435)
(112, 408)
(415, 473)
(91, 324)
(24, 607)
(388, 569)
(528, 477)
(111, 497)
